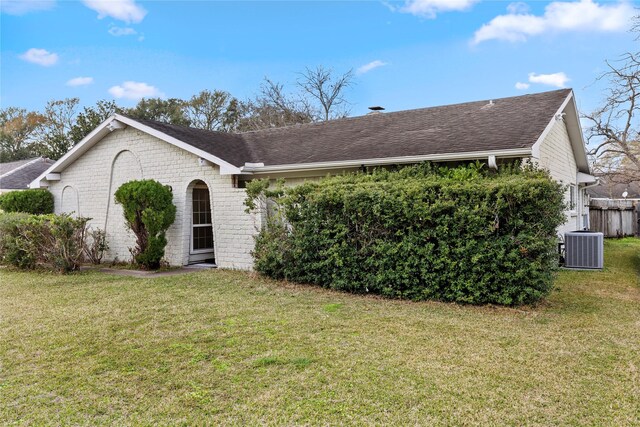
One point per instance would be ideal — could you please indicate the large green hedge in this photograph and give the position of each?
(461, 235)
(34, 201)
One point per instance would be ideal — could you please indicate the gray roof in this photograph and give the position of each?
(607, 189)
(17, 175)
(500, 124)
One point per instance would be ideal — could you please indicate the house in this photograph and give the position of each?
(610, 189)
(208, 170)
(614, 207)
(19, 174)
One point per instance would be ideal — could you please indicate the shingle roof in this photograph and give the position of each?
(607, 189)
(9, 166)
(502, 124)
(507, 123)
(17, 175)
(227, 146)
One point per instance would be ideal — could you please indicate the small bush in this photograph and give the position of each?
(96, 245)
(463, 235)
(55, 241)
(148, 211)
(34, 201)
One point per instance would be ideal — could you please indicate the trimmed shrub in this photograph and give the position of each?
(55, 241)
(33, 201)
(148, 211)
(419, 233)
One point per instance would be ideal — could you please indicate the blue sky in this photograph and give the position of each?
(406, 54)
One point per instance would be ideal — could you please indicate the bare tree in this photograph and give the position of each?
(327, 89)
(273, 107)
(615, 125)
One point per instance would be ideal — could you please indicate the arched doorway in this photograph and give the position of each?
(201, 242)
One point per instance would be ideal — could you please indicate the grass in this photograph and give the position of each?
(223, 347)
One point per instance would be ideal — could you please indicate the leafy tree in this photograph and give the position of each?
(148, 211)
(18, 128)
(216, 110)
(163, 110)
(54, 136)
(91, 117)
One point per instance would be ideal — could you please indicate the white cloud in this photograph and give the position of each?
(583, 15)
(22, 7)
(522, 86)
(119, 31)
(555, 79)
(370, 66)
(135, 91)
(518, 7)
(122, 10)
(430, 8)
(80, 81)
(40, 57)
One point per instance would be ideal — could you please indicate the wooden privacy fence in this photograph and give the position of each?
(614, 217)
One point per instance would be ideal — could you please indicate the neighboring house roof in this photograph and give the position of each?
(506, 127)
(612, 190)
(19, 174)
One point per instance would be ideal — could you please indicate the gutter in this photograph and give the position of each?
(257, 168)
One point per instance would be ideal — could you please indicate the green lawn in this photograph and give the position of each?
(222, 347)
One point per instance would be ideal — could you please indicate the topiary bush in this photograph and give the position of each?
(148, 211)
(463, 235)
(33, 201)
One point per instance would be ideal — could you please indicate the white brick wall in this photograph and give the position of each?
(556, 155)
(130, 154)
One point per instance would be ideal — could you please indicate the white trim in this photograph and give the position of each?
(53, 176)
(114, 123)
(584, 178)
(517, 152)
(79, 149)
(535, 150)
(575, 115)
(577, 141)
(226, 168)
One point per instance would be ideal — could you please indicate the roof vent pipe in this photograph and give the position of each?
(376, 109)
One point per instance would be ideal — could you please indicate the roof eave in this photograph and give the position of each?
(574, 129)
(116, 122)
(342, 164)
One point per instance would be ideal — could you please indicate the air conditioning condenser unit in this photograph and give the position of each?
(584, 249)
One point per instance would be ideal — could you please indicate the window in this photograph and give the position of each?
(202, 227)
(572, 197)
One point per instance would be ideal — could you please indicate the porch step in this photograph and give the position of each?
(201, 265)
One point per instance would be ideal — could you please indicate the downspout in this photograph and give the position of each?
(584, 188)
(492, 162)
